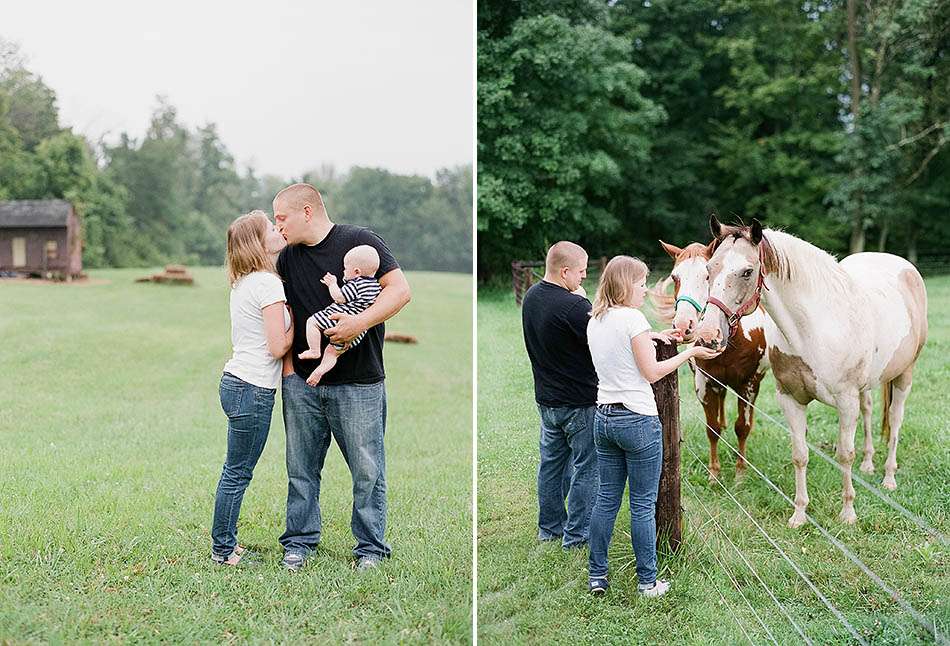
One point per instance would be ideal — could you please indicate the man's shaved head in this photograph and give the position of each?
(564, 254)
(300, 215)
(296, 196)
(566, 265)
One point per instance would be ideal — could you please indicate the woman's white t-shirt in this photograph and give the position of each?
(251, 361)
(619, 379)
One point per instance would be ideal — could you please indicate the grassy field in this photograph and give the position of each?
(112, 443)
(534, 593)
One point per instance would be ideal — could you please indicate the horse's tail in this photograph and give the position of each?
(663, 302)
(887, 392)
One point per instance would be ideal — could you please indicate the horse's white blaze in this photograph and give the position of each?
(733, 262)
(694, 282)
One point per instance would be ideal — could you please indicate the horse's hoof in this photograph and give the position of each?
(867, 467)
(797, 520)
(713, 478)
(740, 476)
(889, 483)
(848, 517)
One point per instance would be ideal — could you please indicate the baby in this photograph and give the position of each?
(359, 291)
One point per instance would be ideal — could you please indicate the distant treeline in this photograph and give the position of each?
(170, 196)
(616, 123)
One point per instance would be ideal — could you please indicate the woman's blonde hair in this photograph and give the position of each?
(246, 249)
(615, 284)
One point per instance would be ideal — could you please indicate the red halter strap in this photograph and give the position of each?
(750, 305)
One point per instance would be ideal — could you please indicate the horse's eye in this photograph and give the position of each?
(747, 273)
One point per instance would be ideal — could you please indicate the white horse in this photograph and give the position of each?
(835, 332)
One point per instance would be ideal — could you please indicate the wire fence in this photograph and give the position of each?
(888, 500)
(927, 624)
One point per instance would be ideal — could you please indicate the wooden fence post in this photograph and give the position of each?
(669, 518)
(516, 281)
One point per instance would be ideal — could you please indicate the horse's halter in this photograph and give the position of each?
(687, 299)
(750, 305)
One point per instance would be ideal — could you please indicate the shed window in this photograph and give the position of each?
(19, 252)
(52, 250)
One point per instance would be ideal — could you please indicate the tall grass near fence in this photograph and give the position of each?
(727, 576)
(112, 442)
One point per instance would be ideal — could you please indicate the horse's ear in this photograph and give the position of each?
(756, 231)
(673, 250)
(714, 226)
(711, 248)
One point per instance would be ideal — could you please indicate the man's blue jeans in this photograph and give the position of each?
(567, 455)
(354, 414)
(249, 409)
(629, 446)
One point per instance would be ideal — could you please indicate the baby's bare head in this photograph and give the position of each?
(360, 261)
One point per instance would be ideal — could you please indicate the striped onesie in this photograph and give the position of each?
(360, 293)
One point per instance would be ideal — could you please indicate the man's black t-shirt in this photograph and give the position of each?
(302, 266)
(555, 333)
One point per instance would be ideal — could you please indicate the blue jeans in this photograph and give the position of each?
(248, 408)
(354, 414)
(568, 470)
(629, 446)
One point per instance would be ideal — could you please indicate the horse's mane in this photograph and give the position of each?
(790, 259)
(663, 303)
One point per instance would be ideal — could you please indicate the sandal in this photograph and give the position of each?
(234, 559)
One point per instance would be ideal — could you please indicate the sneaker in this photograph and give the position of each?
(293, 561)
(367, 563)
(597, 587)
(656, 589)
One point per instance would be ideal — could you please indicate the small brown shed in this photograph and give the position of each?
(40, 237)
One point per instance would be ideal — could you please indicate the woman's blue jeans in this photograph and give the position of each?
(629, 447)
(248, 408)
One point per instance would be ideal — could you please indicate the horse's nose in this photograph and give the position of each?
(708, 336)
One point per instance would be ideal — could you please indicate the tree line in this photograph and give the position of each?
(170, 195)
(615, 123)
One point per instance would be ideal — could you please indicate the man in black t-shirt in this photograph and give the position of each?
(554, 321)
(350, 401)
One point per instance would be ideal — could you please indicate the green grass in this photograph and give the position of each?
(112, 444)
(536, 593)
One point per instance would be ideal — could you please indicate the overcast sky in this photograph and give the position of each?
(291, 85)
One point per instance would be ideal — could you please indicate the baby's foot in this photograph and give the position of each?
(315, 377)
(310, 354)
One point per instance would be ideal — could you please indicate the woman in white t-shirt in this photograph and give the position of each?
(627, 431)
(261, 333)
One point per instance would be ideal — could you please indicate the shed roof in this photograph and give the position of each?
(34, 213)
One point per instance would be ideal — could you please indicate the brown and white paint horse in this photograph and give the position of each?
(741, 366)
(836, 331)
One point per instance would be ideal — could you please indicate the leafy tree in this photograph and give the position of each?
(31, 106)
(672, 42)
(898, 62)
(562, 125)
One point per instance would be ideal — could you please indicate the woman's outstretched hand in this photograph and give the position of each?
(671, 335)
(704, 353)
